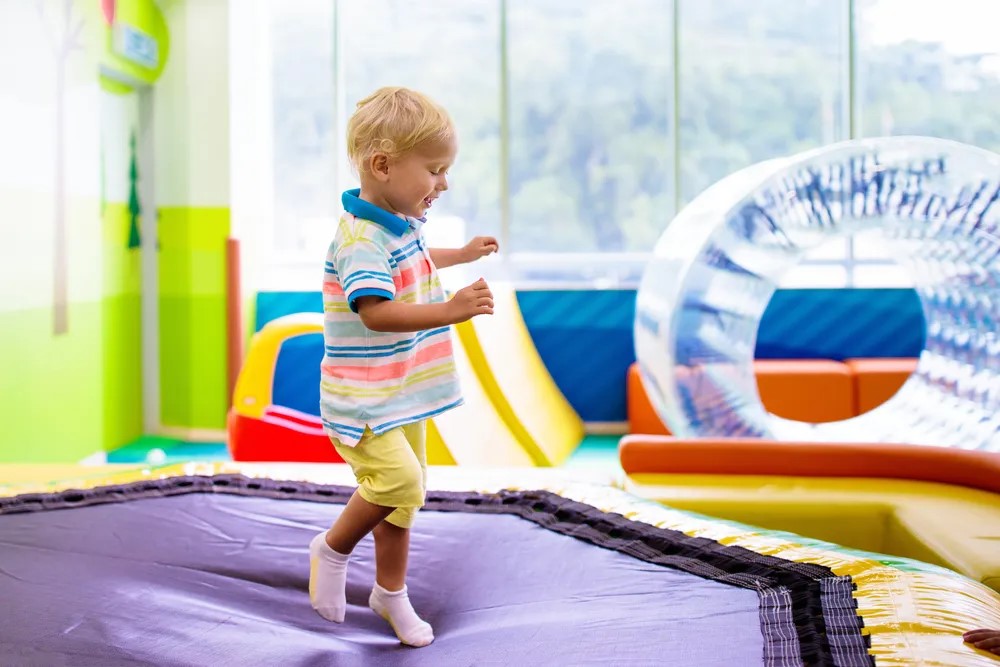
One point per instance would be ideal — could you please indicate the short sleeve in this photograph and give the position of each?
(364, 270)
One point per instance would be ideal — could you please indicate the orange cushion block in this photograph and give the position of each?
(641, 454)
(808, 390)
(878, 380)
(805, 390)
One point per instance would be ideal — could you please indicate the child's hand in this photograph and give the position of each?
(984, 640)
(476, 299)
(481, 246)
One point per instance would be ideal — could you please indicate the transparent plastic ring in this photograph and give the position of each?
(936, 206)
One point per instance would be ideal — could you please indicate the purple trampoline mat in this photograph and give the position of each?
(211, 579)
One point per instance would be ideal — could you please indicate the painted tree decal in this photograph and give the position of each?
(134, 208)
(64, 33)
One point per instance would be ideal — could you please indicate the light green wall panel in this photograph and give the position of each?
(122, 332)
(51, 386)
(193, 316)
(122, 266)
(52, 404)
(193, 362)
(122, 370)
(68, 396)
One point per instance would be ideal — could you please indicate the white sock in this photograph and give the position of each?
(395, 607)
(327, 579)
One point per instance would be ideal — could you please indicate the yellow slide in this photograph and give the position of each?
(474, 434)
(513, 376)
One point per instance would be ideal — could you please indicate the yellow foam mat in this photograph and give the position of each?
(516, 380)
(912, 617)
(941, 524)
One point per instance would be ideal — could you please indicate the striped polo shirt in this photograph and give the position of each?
(376, 379)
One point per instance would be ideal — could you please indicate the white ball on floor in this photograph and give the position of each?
(156, 456)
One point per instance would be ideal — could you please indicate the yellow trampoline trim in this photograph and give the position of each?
(912, 617)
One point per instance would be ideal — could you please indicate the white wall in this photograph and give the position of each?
(29, 160)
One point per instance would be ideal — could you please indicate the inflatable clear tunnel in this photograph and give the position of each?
(934, 203)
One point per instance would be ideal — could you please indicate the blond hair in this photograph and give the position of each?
(394, 121)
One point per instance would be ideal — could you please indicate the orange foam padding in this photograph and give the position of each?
(805, 390)
(878, 380)
(642, 417)
(234, 318)
(747, 456)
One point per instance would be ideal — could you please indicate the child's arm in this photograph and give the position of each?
(478, 247)
(381, 314)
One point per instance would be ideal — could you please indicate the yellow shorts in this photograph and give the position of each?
(391, 470)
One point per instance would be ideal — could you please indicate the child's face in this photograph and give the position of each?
(414, 181)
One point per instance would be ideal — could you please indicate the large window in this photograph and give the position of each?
(586, 124)
(758, 80)
(447, 49)
(924, 68)
(304, 130)
(590, 124)
(930, 67)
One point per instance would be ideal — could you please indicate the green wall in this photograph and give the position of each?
(52, 403)
(51, 383)
(193, 316)
(66, 396)
(70, 395)
(121, 333)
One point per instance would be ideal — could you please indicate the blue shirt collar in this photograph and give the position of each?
(358, 207)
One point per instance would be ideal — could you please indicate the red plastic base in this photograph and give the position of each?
(282, 435)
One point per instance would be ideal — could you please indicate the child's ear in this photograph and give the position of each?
(380, 166)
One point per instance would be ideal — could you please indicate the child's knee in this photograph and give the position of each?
(398, 484)
(403, 516)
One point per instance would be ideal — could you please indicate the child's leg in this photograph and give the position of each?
(330, 551)
(392, 537)
(392, 551)
(389, 476)
(389, 597)
(358, 519)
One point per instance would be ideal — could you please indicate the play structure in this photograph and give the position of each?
(755, 536)
(514, 415)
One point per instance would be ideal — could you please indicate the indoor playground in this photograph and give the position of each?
(738, 402)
